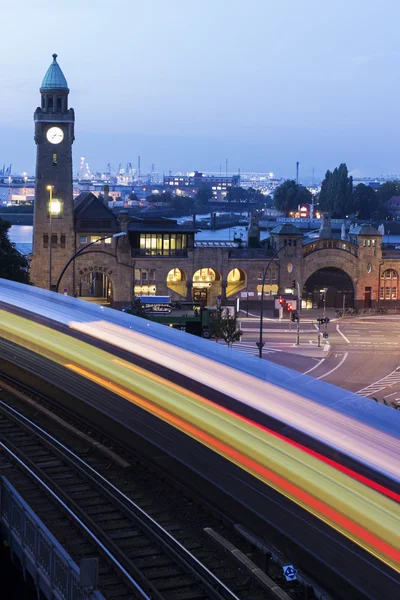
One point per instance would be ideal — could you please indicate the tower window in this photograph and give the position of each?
(54, 160)
(50, 102)
(58, 103)
(45, 240)
(62, 241)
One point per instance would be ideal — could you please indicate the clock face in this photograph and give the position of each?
(55, 135)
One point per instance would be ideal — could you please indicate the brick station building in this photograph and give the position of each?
(161, 257)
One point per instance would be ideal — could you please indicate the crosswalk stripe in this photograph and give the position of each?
(250, 349)
(377, 386)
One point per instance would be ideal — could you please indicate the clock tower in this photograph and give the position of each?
(53, 221)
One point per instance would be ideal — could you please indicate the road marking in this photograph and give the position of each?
(342, 334)
(392, 394)
(377, 386)
(314, 367)
(334, 368)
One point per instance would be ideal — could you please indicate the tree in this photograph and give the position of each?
(289, 195)
(204, 194)
(255, 196)
(365, 201)
(387, 190)
(164, 198)
(137, 309)
(13, 265)
(182, 203)
(336, 193)
(236, 194)
(224, 327)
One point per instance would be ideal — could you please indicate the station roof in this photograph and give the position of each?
(91, 214)
(54, 78)
(364, 229)
(286, 229)
(143, 225)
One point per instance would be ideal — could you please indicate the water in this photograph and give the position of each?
(22, 234)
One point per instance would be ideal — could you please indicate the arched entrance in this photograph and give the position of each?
(332, 282)
(176, 281)
(206, 286)
(236, 281)
(95, 287)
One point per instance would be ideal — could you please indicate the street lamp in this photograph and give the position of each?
(50, 189)
(260, 344)
(106, 237)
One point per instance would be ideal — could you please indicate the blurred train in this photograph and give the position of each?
(349, 480)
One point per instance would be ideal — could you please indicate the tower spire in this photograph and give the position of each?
(54, 79)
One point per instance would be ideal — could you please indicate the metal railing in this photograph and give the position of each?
(40, 553)
(315, 245)
(153, 252)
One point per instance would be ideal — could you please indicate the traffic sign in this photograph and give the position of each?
(325, 335)
(290, 572)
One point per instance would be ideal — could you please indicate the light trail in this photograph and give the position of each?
(366, 517)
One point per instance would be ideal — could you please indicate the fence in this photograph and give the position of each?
(51, 568)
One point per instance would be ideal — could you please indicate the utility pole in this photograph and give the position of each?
(298, 314)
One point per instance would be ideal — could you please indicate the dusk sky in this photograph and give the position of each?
(188, 83)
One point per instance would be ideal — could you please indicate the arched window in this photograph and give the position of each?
(389, 285)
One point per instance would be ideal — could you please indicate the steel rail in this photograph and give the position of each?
(76, 518)
(190, 564)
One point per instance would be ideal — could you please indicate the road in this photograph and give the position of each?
(362, 353)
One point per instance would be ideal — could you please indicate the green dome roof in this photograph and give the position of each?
(54, 78)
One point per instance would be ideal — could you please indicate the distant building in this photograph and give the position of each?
(189, 184)
(394, 206)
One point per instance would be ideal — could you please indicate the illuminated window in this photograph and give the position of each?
(394, 293)
(83, 239)
(94, 238)
(108, 240)
(54, 160)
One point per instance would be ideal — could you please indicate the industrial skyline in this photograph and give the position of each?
(257, 84)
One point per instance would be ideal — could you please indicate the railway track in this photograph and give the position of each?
(150, 553)
(152, 562)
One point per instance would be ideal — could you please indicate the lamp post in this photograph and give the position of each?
(260, 344)
(106, 237)
(50, 188)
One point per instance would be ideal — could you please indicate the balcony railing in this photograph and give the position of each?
(330, 245)
(153, 252)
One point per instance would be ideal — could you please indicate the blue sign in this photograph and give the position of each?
(290, 572)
